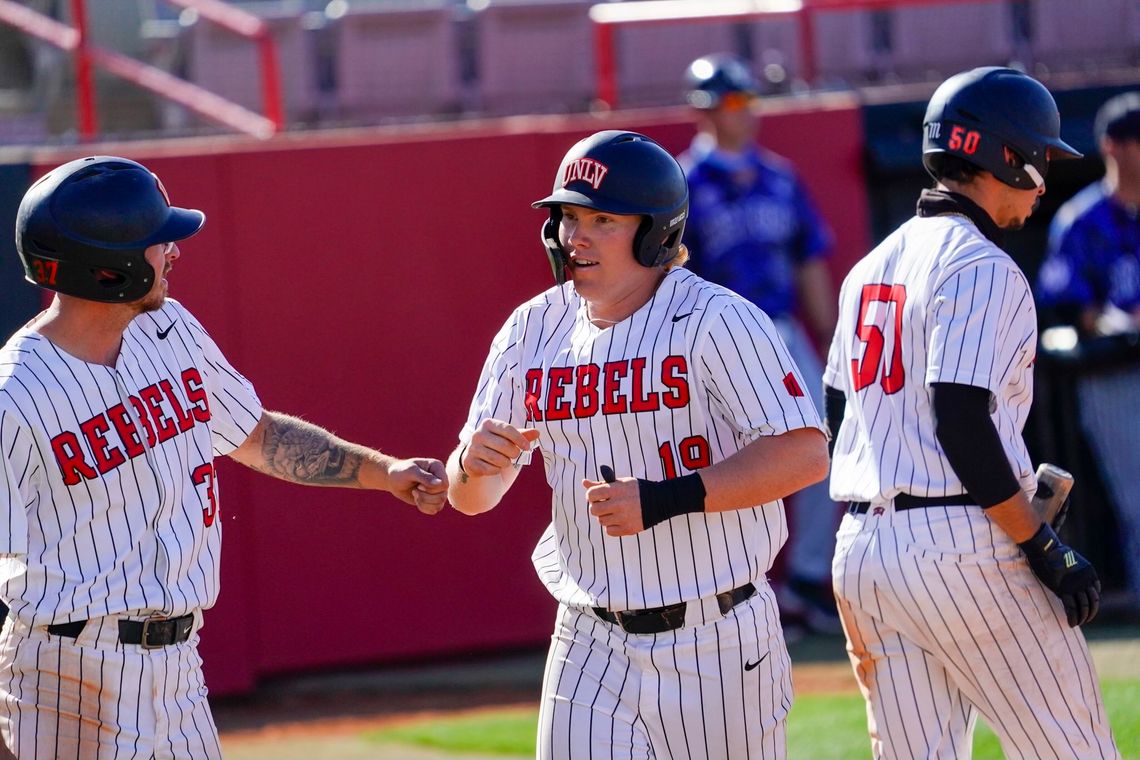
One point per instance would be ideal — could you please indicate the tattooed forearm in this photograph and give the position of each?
(301, 452)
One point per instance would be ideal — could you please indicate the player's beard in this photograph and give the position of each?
(1018, 223)
(153, 300)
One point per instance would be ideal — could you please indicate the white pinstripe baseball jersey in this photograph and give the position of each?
(686, 381)
(938, 301)
(108, 499)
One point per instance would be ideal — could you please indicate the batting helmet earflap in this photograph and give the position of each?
(976, 113)
(622, 173)
(84, 227)
(710, 78)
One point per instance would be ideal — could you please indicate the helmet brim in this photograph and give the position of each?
(574, 198)
(181, 224)
(1061, 149)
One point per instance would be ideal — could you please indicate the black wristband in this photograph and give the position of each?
(1042, 542)
(662, 499)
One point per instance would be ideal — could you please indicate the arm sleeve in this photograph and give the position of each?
(235, 408)
(750, 376)
(499, 395)
(16, 456)
(834, 405)
(964, 429)
(980, 317)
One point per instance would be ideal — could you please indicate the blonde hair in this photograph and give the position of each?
(680, 259)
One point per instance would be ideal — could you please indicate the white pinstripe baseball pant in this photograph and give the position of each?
(94, 698)
(945, 621)
(680, 694)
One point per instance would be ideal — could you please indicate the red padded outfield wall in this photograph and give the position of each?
(357, 279)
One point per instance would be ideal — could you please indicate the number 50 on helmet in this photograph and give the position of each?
(976, 114)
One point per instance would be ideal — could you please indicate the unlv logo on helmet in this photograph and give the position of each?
(585, 169)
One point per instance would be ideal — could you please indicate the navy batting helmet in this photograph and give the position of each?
(711, 78)
(973, 115)
(622, 173)
(84, 227)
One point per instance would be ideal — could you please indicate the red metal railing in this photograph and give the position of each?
(607, 17)
(202, 101)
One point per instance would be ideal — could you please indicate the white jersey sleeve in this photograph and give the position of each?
(980, 322)
(833, 372)
(15, 497)
(750, 376)
(235, 408)
(497, 396)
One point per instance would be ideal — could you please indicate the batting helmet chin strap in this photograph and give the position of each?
(558, 258)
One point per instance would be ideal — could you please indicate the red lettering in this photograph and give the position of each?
(196, 395)
(864, 371)
(163, 424)
(792, 386)
(533, 394)
(107, 457)
(640, 401)
(694, 452)
(45, 270)
(612, 400)
(960, 139)
(125, 427)
(70, 458)
(587, 403)
(556, 407)
(184, 420)
(140, 410)
(674, 375)
(204, 473)
(970, 145)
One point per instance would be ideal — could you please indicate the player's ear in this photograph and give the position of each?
(1012, 160)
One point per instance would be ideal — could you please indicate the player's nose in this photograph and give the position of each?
(575, 237)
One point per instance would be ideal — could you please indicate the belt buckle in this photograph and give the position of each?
(144, 640)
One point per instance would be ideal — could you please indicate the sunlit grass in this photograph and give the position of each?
(820, 726)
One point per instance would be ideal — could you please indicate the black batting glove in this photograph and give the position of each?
(1064, 572)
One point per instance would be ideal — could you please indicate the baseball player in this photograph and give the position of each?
(113, 404)
(672, 421)
(956, 598)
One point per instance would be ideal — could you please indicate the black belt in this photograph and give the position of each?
(671, 616)
(150, 634)
(906, 501)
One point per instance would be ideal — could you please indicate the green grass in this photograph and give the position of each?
(846, 722)
(827, 727)
(494, 733)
